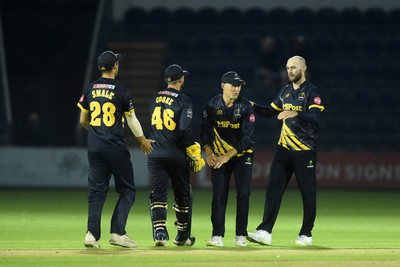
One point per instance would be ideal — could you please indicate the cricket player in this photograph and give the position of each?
(227, 137)
(174, 150)
(104, 105)
(298, 105)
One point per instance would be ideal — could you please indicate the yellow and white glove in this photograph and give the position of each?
(196, 161)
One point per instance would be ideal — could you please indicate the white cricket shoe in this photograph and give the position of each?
(303, 241)
(90, 241)
(261, 237)
(240, 241)
(122, 241)
(215, 241)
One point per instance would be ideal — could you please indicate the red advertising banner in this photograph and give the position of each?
(363, 170)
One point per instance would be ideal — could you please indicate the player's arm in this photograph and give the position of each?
(185, 122)
(205, 136)
(314, 109)
(136, 128)
(193, 149)
(266, 111)
(310, 115)
(84, 119)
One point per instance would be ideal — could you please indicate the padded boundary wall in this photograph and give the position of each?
(68, 167)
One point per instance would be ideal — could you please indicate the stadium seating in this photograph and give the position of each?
(352, 55)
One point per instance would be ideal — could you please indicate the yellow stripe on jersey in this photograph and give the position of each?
(282, 140)
(275, 107)
(82, 108)
(290, 141)
(317, 106)
(221, 146)
(129, 112)
(292, 144)
(293, 141)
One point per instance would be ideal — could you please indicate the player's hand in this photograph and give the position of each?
(287, 114)
(196, 161)
(210, 159)
(221, 160)
(146, 146)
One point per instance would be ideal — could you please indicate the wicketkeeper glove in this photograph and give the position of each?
(196, 161)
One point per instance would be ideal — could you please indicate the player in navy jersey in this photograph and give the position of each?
(105, 104)
(298, 106)
(171, 118)
(227, 137)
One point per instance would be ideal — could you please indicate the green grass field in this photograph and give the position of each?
(353, 228)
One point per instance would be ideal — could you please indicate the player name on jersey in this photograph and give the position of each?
(164, 99)
(102, 93)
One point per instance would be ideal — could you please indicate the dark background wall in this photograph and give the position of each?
(47, 46)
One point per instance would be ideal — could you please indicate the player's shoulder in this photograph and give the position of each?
(284, 89)
(310, 86)
(215, 100)
(311, 89)
(184, 97)
(243, 101)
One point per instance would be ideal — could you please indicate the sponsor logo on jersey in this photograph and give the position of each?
(103, 86)
(317, 100)
(168, 93)
(310, 164)
(189, 113)
(228, 124)
(248, 161)
(237, 114)
(289, 106)
(252, 118)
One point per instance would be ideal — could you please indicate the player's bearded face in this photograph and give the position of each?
(294, 75)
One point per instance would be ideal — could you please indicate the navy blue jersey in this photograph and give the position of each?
(224, 128)
(298, 134)
(106, 101)
(171, 118)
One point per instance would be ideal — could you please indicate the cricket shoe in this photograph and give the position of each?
(160, 238)
(90, 241)
(261, 237)
(303, 241)
(240, 241)
(122, 241)
(215, 241)
(181, 239)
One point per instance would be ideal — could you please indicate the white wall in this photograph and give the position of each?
(119, 6)
(55, 167)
